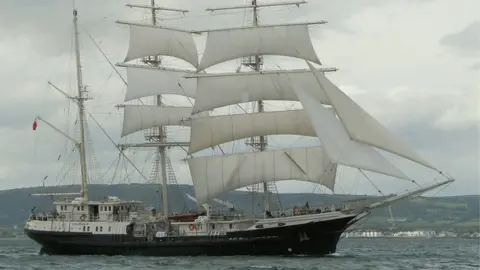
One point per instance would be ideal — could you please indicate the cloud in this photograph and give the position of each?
(400, 60)
(465, 42)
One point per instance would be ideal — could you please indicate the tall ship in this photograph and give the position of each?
(345, 133)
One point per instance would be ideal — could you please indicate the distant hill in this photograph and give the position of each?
(460, 212)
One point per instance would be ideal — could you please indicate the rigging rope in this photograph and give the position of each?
(109, 62)
(116, 146)
(444, 187)
(379, 191)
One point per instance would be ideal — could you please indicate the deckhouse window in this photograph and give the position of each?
(78, 208)
(61, 207)
(96, 229)
(109, 208)
(101, 228)
(82, 208)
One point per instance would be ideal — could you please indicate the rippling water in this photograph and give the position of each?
(380, 253)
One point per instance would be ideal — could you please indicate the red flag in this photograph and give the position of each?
(34, 126)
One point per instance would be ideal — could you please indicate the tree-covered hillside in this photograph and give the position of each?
(420, 212)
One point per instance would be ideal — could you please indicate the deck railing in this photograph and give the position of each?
(222, 214)
(324, 208)
(56, 217)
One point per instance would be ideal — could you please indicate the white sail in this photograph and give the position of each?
(215, 175)
(215, 91)
(214, 130)
(338, 145)
(361, 126)
(149, 40)
(283, 40)
(140, 117)
(145, 82)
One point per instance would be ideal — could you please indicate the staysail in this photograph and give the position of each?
(361, 126)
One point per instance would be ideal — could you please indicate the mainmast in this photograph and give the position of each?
(157, 136)
(160, 135)
(81, 109)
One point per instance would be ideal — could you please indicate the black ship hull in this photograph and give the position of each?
(314, 238)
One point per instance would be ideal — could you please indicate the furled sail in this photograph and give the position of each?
(144, 82)
(282, 40)
(148, 40)
(214, 130)
(140, 117)
(338, 145)
(215, 175)
(215, 91)
(361, 126)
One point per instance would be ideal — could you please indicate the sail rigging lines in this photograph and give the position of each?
(186, 48)
(346, 143)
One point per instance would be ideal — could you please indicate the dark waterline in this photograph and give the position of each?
(379, 253)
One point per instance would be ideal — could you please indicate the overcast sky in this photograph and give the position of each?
(413, 64)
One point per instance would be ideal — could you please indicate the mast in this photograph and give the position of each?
(81, 109)
(160, 138)
(259, 143)
(156, 136)
(262, 139)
